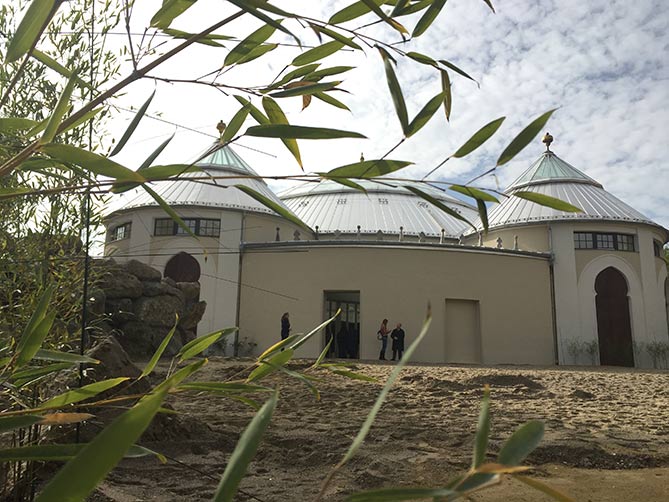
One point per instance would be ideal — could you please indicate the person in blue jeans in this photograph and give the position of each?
(382, 335)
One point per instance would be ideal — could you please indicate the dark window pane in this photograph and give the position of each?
(191, 223)
(120, 232)
(625, 242)
(210, 228)
(583, 240)
(164, 226)
(605, 241)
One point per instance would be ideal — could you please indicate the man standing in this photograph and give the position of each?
(398, 341)
(285, 326)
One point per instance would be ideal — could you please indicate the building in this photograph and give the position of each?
(540, 287)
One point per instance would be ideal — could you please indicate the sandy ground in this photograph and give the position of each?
(607, 435)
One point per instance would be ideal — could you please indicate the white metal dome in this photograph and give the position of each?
(386, 207)
(550, 175)
(214, 192)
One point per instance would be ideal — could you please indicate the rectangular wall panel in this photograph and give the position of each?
(462, 331)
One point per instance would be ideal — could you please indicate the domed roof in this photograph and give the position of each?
(218, 161)
(550, 175)
(385, 207)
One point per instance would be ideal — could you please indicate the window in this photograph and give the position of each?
(583, 240)
(598, 240)
(657, 248)
(119, 232)
(199, 226)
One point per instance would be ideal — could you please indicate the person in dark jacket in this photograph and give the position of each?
(285, 326)
(382, 334)
(397, 336)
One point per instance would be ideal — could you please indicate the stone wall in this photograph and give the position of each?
(139, 305)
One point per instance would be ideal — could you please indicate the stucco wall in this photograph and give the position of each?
(397, 283)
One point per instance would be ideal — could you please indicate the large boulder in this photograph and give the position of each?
(143, 271)
(158, 310)
(193, 315)
(117, 283)
(119, 310)
(191, 290)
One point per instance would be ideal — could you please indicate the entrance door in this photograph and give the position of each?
(344, 331)
(462, 331)
(614, 329)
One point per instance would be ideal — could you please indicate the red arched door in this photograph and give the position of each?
(182, 267)
(613, 319)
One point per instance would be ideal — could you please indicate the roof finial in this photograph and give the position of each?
(547, 140)
(362, 157)
(221, 127)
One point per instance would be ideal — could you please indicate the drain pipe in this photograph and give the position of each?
(239, 284)
(552, 286)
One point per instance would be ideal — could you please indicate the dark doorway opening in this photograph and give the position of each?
(344, 331)
(614, 328)
(182, 267)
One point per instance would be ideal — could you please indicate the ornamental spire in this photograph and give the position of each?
(547, 140)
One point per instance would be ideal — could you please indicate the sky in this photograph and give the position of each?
(602, 63)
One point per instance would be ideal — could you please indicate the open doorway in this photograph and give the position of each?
(345, 330)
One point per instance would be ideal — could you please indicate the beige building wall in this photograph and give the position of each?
(530, 238)
(511, 292)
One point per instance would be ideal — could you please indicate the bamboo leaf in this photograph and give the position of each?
(246, 46)
(299, 132)
(384, 17)
(154, 155)
(493, 468)
(402, 494)
(521, 443)
(331, 101)
(32, 337)
(428, 17)
(474, 193)
(28, 375)
(278, 118)
(446, 89)
(305, 89)
(269, 203)
(336, 36)
(447, 64)
(60, 452)
(255, 112)
(168, 209)
(311, 333)
(538, 485)
(82, 393)
(11, 423)
(180, 376)
(53, 355)
(422, 58)
(170, 10)
(439, 204)
(206, 40)
(415, 7)
(270, 365)
(133, 125)
(395, 90)
(323, 353)
(90, 161)
(195, 347)
(296, 73)
(8, 124)
(548, 201)
(367, 425)
(30, 29)
(159, 351)
(244, 452)
(59, 111)
(367, 169)
(346, 183)
(79, 477)
(65, 418)
(489, 4)
(483, 214)
(524, 138)
(277, 346)
(248, 6)
(235, 124)
(479, 137)
(482, 430)
(425, 114)
(48, 61)
(305, 379)
(81, 120)
(351, 12)
(317, 53)
(327, 72)
(355, 376)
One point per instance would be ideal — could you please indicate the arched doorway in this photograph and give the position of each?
(613, 319)
(182, 267)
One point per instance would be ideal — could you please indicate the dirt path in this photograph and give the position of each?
(607, 435)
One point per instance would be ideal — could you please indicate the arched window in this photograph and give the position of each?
(613, 319)
(182, 267)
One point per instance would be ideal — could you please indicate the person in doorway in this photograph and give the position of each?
(382, 335)
(285, 326)
(398, 341)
